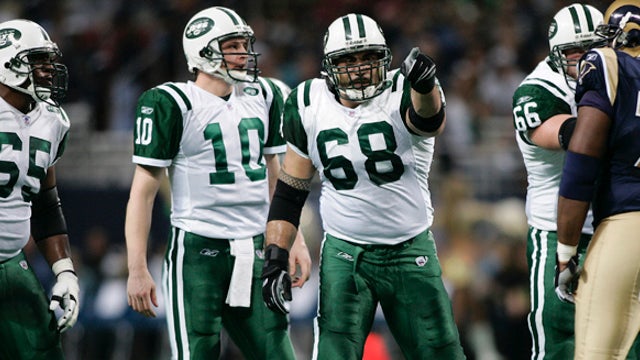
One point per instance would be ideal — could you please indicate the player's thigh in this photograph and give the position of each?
(417, 308)
(346, 304)
(26, 319)
(257, 331)
(198, 271)
(607, 304)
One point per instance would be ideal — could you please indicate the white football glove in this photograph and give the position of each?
(65, 293)
(566, 281)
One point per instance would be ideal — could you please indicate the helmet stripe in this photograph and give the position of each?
(576, 20)
(361, 31)
(236, 20)
(587, 14)
(347, 27)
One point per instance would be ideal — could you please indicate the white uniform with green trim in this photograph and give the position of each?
(29, 145)
(542, 94)
(372, 168)
(214, 151)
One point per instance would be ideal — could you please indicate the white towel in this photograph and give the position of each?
(239, 294)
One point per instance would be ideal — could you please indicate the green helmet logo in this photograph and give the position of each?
(553, 28)
(198, 27)
(6, 35)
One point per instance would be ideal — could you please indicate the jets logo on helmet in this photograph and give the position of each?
(29, 62)
(198, 27)
(201, 43)
(355, 33)
(6, 35)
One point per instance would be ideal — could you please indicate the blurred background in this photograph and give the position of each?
(116, 49)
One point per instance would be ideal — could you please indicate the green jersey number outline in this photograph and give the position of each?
(365, 132)
(222, 175)
(11, 168)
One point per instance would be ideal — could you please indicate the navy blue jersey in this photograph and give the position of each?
(610, 81)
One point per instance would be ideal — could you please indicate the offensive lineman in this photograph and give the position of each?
(218, 138)
(544, 114)
(34, 132)
(370, 135)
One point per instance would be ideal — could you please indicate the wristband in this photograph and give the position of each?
(566, 252)
(63, 265)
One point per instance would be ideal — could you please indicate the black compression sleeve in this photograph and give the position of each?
(429, 124)
(47, 218)
(566, 131)
(287, 203)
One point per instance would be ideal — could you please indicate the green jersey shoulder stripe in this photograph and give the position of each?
(547, 85)
(307, 93)
(178, 96)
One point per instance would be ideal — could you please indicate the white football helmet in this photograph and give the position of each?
(349, 34)
(573, 27)
(29, 62)
(201, 42)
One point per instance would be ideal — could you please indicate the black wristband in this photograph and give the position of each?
(275, 259)
(566, 131)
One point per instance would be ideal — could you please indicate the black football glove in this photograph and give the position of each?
(566, 281)
(276, 282)
(420, 70)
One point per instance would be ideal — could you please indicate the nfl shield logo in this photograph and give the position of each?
(24, 265)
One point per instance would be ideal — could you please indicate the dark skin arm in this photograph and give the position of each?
(589, 138)
(55, 247)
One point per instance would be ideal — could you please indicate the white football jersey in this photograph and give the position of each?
(374, 172)
(29, 145)
(542, 94)
(214, 150)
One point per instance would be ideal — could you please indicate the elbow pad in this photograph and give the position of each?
(566, 131)
(47, 218)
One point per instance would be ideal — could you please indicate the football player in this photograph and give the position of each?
(217, 138)
(602, 170)
(544, 115)
(369, 133)
(33, 81)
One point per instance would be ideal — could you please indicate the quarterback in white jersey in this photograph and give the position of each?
(33, 81)
(217, 138)
(369, 133)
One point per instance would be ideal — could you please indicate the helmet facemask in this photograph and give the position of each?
(46, 78)
(559, 59)
(225, 70)
(358, 82)
(573, 30)
(622, 27)
(356, 58)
